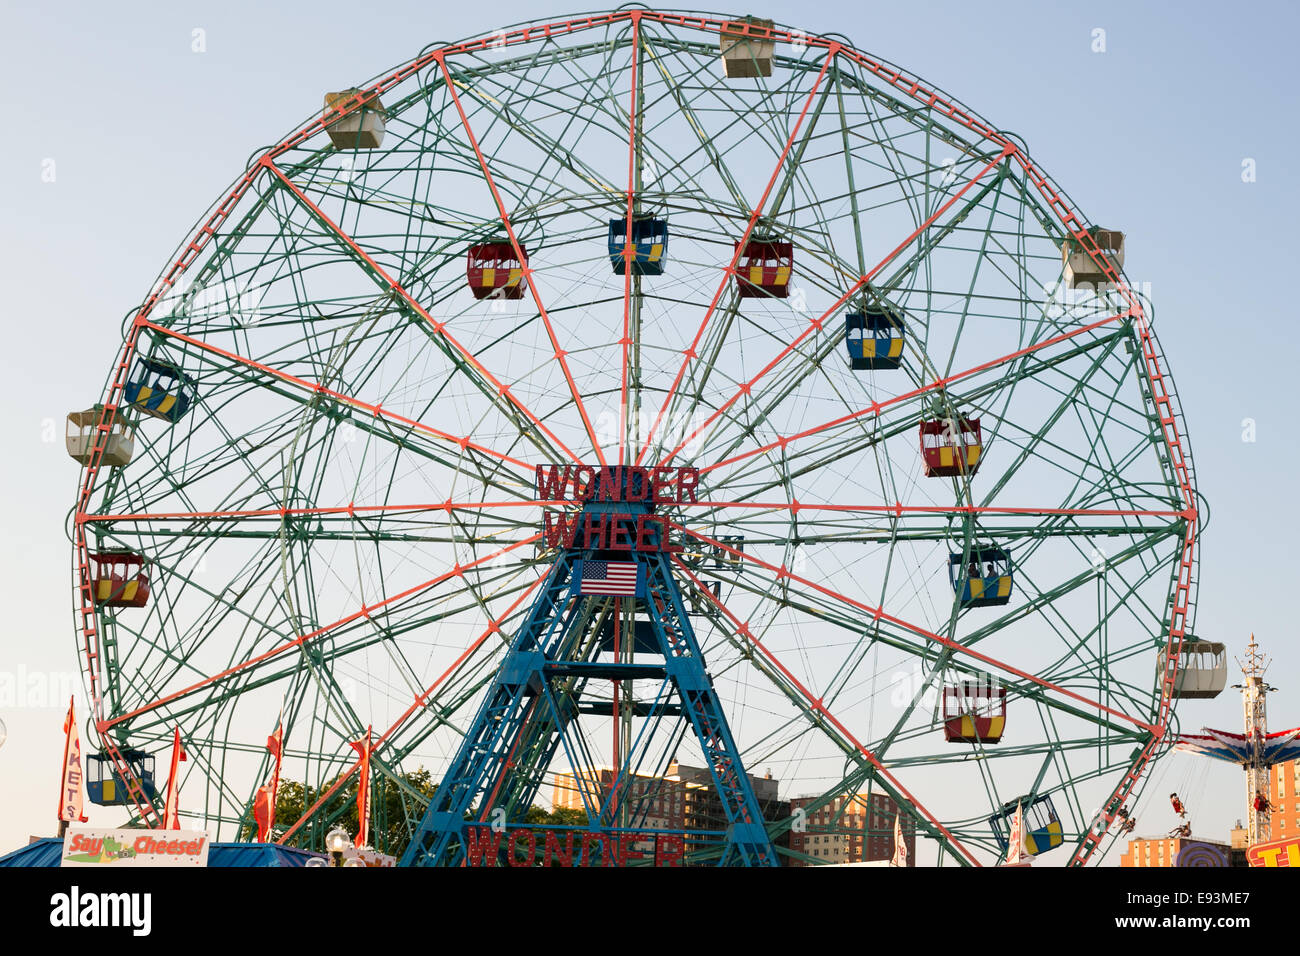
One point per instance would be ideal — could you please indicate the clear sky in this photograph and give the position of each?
(139, 131)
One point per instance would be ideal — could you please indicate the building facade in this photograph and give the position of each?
(852, 828)
(1163, 851)
(652, 803)
(682, 801)
(857, 828)
(1283, 790)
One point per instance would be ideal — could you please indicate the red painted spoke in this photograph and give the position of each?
(899, 509)
(87, 620)
(628, 251)
(816, 703)
(439, 327)
(729, 273)
(365, 612)
(875, 408)
(528, 34)
(541, 32)
(878, 614)
(375, 410)
(527, 269)
(418, 703)
(815, 324)
(349, 509)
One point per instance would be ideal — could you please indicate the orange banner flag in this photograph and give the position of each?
(72, 790)
(363, 747)
(172, 808)
(264, 801)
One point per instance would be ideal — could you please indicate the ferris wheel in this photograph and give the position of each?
(596, 399)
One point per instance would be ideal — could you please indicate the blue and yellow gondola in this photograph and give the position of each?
(874, 338)
(159, 389)
(105, 786)
(1041, 826)
(984, 578)
(649, 245)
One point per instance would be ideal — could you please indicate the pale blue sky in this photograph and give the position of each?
(1148, 137)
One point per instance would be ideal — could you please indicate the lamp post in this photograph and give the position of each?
(336, 842)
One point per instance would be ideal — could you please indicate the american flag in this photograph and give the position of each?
(608, 577)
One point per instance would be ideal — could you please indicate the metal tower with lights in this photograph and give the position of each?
(1254, 703)
(1256, 750)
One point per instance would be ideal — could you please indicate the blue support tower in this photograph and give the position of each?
(533, 705)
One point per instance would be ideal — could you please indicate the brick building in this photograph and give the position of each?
(682, 800)
(1163, 851)
(1284, 795)
(657, 803)
(850, 829)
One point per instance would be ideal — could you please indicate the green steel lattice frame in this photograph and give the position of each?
(355, 476)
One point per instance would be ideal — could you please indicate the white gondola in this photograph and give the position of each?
(747, 54)
(81, 438)
(1080, 269)
(361, 128)
(1202, 669)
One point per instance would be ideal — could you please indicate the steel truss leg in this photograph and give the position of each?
(534, 698)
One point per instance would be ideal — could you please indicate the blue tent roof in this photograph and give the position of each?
(47, 851)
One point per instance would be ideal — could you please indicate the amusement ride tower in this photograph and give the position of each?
(1256, 750)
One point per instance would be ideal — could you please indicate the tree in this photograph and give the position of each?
(561, 817)
(395, 810)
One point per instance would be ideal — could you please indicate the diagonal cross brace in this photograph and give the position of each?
(525, 718)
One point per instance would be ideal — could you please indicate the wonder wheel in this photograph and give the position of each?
(684, 419)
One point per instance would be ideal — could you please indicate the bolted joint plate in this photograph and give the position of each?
(523, 668)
